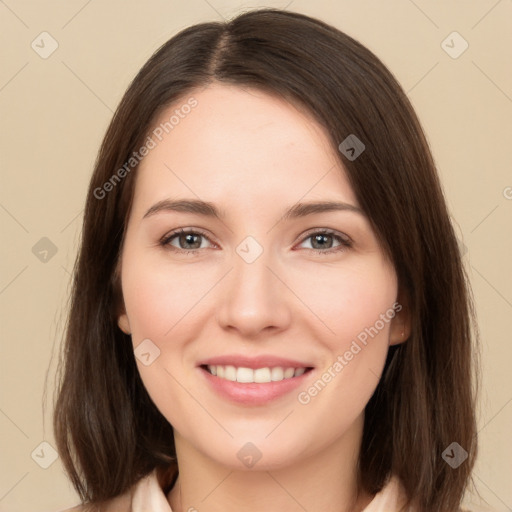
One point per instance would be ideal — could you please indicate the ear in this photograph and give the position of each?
(123, 323)
(400, 329)
(119, 307)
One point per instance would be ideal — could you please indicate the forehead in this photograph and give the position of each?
(239, 143)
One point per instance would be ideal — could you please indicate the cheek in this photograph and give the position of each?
(347, 300)
(157, 297)
(148, 302)
(159, 302)
(360, 314)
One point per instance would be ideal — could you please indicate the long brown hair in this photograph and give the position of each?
(108, 431)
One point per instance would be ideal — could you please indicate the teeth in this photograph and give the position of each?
(277, 373)
(244, 375)
(289, 373)
(260, 375)
(230, 373)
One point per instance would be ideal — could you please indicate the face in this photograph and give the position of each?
(291, 307)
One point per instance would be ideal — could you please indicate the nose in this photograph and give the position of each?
(254, 298)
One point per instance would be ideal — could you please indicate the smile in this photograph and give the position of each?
(257, 386)
(254, 375)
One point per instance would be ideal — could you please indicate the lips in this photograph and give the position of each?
(256, 380)
(262, 361)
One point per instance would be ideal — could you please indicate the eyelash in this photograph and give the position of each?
(345, 243)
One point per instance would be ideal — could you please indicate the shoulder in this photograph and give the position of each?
(147, 491)
(393, 497)
(121, 503)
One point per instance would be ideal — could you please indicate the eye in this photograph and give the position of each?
(322, 241)
(188, 240)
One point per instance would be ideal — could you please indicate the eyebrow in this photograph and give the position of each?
(208, 209)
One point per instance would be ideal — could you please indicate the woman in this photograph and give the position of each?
(269, 295)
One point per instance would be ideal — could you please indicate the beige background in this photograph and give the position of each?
(54, 112)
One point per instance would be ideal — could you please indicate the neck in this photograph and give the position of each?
(325, 481)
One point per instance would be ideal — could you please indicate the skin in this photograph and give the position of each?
(254, 155)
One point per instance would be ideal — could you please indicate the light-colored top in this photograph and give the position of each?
(147, 495)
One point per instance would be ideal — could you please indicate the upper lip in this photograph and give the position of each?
(262, 361)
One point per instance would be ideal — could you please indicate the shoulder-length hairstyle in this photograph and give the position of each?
(108, 431)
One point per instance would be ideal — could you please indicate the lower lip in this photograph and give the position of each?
(253, 393)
